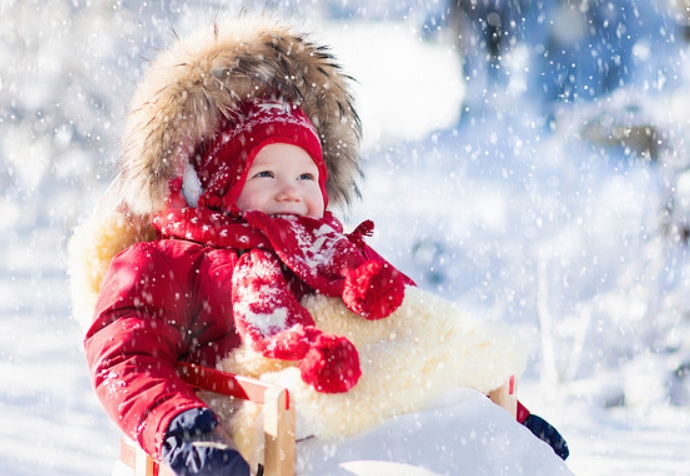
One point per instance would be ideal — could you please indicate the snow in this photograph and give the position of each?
(463, 419)
(516, 210)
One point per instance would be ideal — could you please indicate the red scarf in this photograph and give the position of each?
(265, 297)
(265, 294)
(208, 228)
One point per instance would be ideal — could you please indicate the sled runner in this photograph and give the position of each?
(279, 421)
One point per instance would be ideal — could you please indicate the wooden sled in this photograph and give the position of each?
(279, 421)
(279, 418)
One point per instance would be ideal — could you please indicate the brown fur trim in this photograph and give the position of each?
(189, 88)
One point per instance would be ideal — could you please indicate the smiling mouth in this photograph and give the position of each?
(287, 211)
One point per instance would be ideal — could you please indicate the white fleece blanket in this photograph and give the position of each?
(425, 348)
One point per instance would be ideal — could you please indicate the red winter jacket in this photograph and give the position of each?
(160, 302)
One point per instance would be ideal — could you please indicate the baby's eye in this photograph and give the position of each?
(265, 173)
(306, 176)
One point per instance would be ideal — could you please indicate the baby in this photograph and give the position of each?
(236, 143)
(260, 186)
(245, 233)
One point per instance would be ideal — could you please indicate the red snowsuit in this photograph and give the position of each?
(160, 302)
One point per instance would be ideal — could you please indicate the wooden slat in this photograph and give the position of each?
(145, 466)
(225, 383)
(279, 434)
(505, 396)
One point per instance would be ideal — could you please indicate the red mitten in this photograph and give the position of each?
(332, 364)
(312, 248)
(267, 315)
(374, 290)
(290, 344)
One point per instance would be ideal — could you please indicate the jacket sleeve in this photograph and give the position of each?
(146, 317)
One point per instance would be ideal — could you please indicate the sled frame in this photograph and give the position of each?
(279, 420)
(505, 396)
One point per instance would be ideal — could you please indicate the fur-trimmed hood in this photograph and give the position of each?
(179, 103)
(197, 81)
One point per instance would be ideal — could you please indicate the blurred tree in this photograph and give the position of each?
(571, 49)
(67, 70)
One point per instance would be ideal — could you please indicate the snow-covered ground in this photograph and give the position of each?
(538, 222)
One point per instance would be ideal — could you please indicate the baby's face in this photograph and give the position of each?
(283, 179)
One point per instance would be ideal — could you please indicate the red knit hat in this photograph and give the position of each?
(222, 166)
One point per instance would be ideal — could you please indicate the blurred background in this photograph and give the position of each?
(527, 159)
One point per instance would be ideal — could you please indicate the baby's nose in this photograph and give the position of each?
(288, 191)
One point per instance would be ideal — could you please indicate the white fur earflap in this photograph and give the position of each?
(191, 185)
(426, 347)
